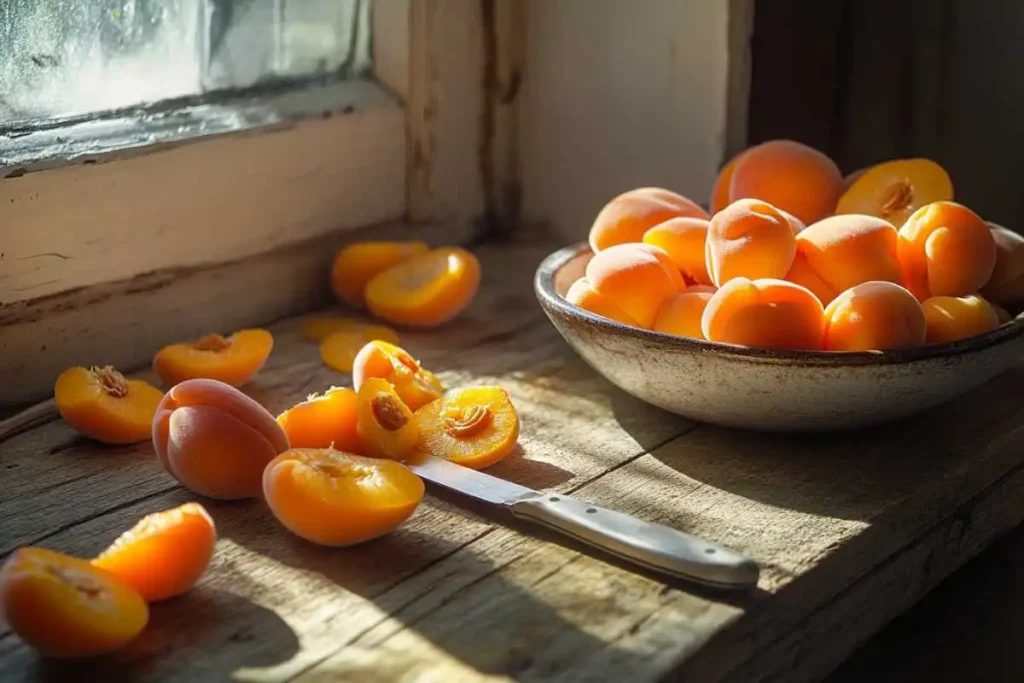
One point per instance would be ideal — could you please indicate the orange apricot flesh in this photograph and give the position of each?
(338, 351)
(164, 554)
(894, 190)
(322, 421)
(954, 318)
(874, 316)
(357, 264)
(1006, 285)
(414, 384)
(102, 404)
(749, 238)
(683, 239)
(582, 294)
(215, 440)
(628, 216)
(427, 290)
(66, 608)
(681, 314)
(385, 424)
(765, 313)
(474, 427)
(233, 360)
(637, 278)
(338, 499)
(945, 249)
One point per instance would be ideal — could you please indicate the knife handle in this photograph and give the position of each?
(650, 545)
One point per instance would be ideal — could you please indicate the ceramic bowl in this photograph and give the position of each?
(765, 389)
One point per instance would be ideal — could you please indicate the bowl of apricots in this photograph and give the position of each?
(799, 300)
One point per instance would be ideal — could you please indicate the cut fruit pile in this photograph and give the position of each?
(796, 257)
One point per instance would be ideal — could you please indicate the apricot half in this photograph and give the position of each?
(427, 290)
(683, 239)
(582, 294)
(323, 420)
(355, 265)
(384, 422)
(893, 190)
(102, 404)
(65, 607)
(414, 384)
(749, 238)
(233, 360)
(164, 554)
(338, 351)
(681, 314)
(1006, 286)
(636, 278)
(628, 216)
(874, 316)
(767, 313)
(339, 499)
(474, 427)
(954, 318)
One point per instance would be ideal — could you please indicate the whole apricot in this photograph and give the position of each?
(766, 313)
(1006, 286)
(953, 318)
(684, 240)
(681, 314)
(874, 316)
(637, 278)
(749, 238)
(582, 294)
(628, 216)
(945, 249)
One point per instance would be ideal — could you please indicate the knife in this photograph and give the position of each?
(653, 546)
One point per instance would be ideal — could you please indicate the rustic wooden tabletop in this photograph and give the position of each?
(849, 529)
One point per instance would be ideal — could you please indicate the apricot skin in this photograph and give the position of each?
(1006, 286)
(637, 278)
(322, 421)
(750, 239)
(945, 249)
(589, 299)
(683, 239)
(355, 265)
(236, 364)
(764, 313)
(954, 318)
(628, 216)
(874, 316)
(414, 384)
(681, 314)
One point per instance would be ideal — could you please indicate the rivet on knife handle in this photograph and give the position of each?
(654, 546)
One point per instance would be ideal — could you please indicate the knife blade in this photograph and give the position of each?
(654, 546)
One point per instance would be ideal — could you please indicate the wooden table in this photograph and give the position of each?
(849, 529)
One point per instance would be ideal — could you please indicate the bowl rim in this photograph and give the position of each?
(544, 286)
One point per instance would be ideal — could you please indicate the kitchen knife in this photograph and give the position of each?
(654, 546)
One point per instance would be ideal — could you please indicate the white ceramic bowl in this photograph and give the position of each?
(765, 389)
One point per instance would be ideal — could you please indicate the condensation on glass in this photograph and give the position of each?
(61, 58)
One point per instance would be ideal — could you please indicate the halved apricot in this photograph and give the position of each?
(637, 278)
(582, 294)
(628, 216)
(338, 351)
(767, 313)
(427, 290)
(384, 422)
(323, 420)
(683, 239)
(65, 607)
(357, 264)
(953, 318)
(1006, 286)
(164, 554)
(232, 360)
(893, 190)
(337, 499)
(414, 384)
(681, 314)
(473, 427)
(874, 316)
(102, 404)
(749, 238)
(319, 327)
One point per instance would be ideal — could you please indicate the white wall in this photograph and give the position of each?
(618, 95)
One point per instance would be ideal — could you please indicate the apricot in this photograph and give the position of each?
(582, 294)
(720, 192)
(233, 360)
(751, 239)
(214, 439)
(874, 316)
(338, 351)
(337, 499)
(683, 239)
(384, 422)
(474, 427)
(414, 384)
(164, 554)
(788, 175)
(427, 290)
(768, 313)
(894, 190)
(945, 249)
(628, 216)
(65, 607)
(637, 278)
(323, 420)
(953, 318)
(1002, 314)
(319, 327)
(841, 252)
(357, 264)
(1006, 285)
(681, 314)
(102, 404)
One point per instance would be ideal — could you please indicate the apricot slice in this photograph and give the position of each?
(323, 420)
(233, 360)
(628, 216)
(788, 175)
(895, 189)
(319, 327)
(683, 239)
(339, 499)
(681, 314)
(767, 313)
(357, 264)
(637, 278)
(841, 252)
(427, 290)
(164, 554)
(214, 439)
(474, 427)
(1006, 285)
(338, 351)
(65, 607)
(415, 385)
(582, 294)
(749, 238)
(874, 316)
(954, 318)
(384, 422)
(102, 404)
(945, 249)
